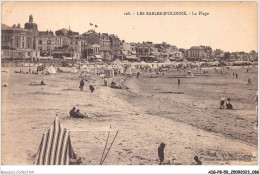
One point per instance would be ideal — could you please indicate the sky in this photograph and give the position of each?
(230, 26)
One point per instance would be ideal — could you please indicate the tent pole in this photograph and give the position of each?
(104, 148)
(88, 130)
(109, 147)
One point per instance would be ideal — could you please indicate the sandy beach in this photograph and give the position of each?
(147, 111)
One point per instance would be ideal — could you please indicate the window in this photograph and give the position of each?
(48, 47)
(29, 53)
(40, 41)
(17, 45)
(40, 48)
(49, 42)
(23, 44)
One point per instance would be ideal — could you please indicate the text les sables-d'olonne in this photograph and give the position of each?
(180, 13)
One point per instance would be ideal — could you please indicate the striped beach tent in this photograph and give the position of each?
(55, 147)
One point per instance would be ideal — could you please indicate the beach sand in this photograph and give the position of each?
(147, 111)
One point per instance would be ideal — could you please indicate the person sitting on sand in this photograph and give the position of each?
(198, 162)
(72, 112)
(228, 104)
(113, 84)
(222, 102)
(78, 114)
(161, 152)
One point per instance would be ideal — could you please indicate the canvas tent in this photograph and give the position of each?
(190, 74)
(51, 70)
(55, 147)
(143, 63)
(128, 71)
(167, 61)
(117, 61)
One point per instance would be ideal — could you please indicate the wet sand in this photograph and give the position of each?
(147, 111)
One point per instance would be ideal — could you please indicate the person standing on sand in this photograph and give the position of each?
(233, 74)
(138, 74)
(161, 152)
(236, 75)
(81, 84)
(179, 82)
(91, 87)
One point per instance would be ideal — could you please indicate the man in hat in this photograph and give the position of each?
(161, 152)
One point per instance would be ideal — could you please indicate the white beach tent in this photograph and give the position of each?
(175, 64)
(74, 70)
(167, 61)
(129, 71)
(117, 61)
(215, 63)
(143, 63)
(83, 66)
(51, 70)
